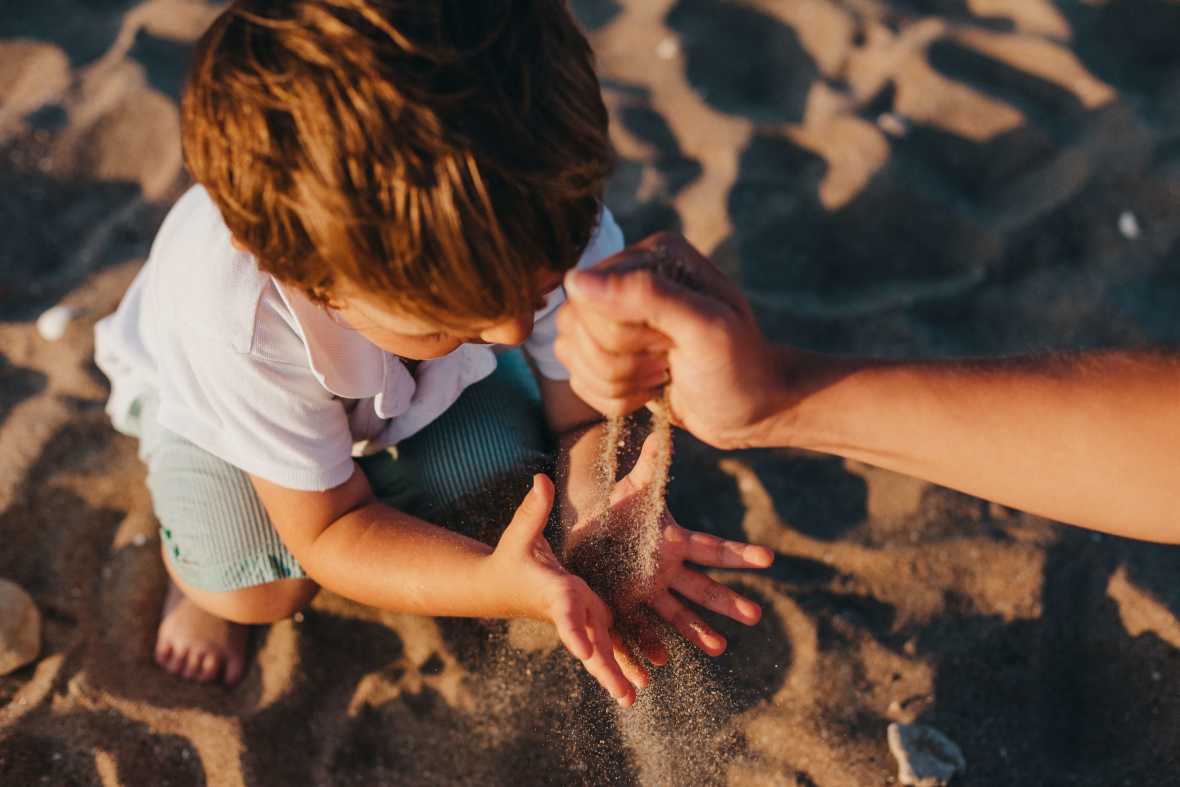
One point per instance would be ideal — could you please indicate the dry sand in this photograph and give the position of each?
(898, 177)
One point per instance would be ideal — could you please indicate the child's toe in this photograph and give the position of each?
(192, 665)
(210, 665)
(175, 663)
(163, 653)
(234, 666)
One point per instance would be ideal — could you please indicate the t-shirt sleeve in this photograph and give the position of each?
(606, 241)
(268, 418)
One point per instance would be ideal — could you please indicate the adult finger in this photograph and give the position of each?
(708, 550)
(615, 332)
(643, 298)
(688, 623)
(714, 596)
(691, 267)
(611, 406)
(579, 347)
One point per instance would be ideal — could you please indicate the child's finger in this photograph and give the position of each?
(604, 668)
(570, 622)
(645, 466)
(633, 670)
(710, 550)
(531, 516)
(651, 647)
(714, 596)
(688, 623)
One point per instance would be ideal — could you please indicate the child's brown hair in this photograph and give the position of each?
(434, 153)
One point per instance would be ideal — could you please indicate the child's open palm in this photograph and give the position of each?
(672, 579)
(544, 589)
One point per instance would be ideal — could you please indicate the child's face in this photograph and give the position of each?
(416, 339)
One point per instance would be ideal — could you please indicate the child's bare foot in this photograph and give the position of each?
(197, 645)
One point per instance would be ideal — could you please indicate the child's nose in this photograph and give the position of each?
(510, 332)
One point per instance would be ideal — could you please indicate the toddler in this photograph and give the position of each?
(317, 356)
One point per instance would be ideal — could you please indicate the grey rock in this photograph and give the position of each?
(20, 627)
(925, 757)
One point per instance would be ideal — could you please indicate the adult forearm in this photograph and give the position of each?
(1092, 439)
(385, 558)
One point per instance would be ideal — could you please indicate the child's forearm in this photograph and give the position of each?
(1092, 440)
(385, 558)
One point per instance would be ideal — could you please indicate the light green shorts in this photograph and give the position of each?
(466, 470)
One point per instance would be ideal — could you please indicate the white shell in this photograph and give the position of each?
(53, 323)
(1129, 225)
(925, 757)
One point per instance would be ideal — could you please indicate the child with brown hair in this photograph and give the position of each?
(314, 357)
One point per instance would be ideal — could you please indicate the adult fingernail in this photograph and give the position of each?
(583, 284)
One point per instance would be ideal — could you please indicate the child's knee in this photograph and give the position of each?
(260, 604)
(271, 602)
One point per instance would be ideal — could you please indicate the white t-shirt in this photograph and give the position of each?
(256, 374)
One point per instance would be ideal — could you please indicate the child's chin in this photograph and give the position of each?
(428, 355)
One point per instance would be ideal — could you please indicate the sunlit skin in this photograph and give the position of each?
(1087, 438)
(353, 544)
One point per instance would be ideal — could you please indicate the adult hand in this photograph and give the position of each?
(627, 329)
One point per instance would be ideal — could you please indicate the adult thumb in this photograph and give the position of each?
(531, 515)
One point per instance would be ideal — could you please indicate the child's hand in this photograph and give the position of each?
(675, 548)
(541, 588)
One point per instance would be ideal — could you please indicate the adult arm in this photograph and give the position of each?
(1091, 439)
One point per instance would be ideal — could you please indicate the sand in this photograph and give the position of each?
(886, 177)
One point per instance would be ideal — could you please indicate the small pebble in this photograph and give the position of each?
(668, 48)
(52, 324)
(893, 124)
(1129, 225)
(925, 757)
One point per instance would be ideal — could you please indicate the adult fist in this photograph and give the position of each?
(660, 314)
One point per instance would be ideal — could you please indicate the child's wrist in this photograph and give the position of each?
(507, 593)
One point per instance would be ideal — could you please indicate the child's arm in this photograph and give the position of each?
(580, 430)
(364, 550)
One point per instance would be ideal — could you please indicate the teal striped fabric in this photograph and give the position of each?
(218, 537)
